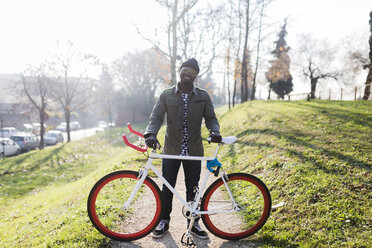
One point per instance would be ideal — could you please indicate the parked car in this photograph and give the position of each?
(36, 128)
(62, 127)
(6, 132)
(27, 141)
(8, 147)
(53, 137)
(102, 124)
(27, 127)
(75, 125)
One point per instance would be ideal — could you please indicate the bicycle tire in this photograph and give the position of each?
(246, 189)
(105, 206)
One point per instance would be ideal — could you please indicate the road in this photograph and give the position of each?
(80, 134)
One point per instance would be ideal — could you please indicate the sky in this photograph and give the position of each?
(30, 29)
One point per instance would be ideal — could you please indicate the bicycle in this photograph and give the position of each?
(233, 207)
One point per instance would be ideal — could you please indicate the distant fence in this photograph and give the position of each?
(332, 94)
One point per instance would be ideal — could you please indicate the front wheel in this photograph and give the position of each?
(240, 219)
(106, 206)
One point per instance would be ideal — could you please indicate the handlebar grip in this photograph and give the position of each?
(133, 131)
(130, 144)
(133, 146)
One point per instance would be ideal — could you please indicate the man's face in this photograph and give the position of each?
(188, 75)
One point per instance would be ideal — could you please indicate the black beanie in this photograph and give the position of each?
(191, 63)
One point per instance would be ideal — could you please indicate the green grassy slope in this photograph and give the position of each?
(314, 156)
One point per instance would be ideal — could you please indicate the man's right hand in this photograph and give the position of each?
(151, 141)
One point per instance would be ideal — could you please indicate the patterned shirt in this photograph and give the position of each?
(185, 137)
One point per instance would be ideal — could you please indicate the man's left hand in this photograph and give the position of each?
(215, 137)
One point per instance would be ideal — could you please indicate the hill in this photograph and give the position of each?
(315, 157)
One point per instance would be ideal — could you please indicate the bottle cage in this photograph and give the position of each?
(214, 163)
(132, 145)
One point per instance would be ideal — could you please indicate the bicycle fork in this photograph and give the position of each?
(142, 176)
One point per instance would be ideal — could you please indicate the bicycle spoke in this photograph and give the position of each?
(107, 212)
(248, 203)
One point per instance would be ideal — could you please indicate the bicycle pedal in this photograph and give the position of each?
(189, 240)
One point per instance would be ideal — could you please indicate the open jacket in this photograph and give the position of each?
(199, 106)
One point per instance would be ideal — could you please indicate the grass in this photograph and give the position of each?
(43, 193)
(313, 156)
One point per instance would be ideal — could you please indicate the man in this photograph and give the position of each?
(185, 107)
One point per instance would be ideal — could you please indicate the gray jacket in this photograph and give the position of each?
(199, 106)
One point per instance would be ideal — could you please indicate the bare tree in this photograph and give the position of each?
(244, 68)
(190, 32)
(367, 90)
(253, 94)
(105, 93)
(316, 61)
(73, 87)
(176, 11)
(36, 86)
(200, 36)
(245, 18)
(140, 75)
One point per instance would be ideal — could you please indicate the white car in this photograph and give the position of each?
(102, 124)
(53, 137)
(8, 147)
(6, 132)
(75, 125)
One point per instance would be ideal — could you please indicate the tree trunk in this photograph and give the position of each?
(174, 47)
(42, 128)
(269, 96)
(244, 73)
(68, 119)
(234, 93)
(313, 82)
(367, 89)
(253, 95)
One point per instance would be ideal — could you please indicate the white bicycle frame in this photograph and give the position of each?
(193, 208)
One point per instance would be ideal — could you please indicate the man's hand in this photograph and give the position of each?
(215, 137)
(151, 141)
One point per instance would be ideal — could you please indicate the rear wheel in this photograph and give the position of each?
(106, 201)
(252, 209)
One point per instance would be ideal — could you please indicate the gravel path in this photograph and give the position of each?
(177, 228)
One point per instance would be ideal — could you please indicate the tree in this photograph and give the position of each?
(367, 89)
(246, 56)
(316, 59)
(105, 93)
(253, 94)
(73, 88)
(177, 10)
(245, 19)
(140, 75)
(190, 32)
(36, 86)
(278, 74)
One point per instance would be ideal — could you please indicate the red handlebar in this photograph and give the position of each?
(130, 144)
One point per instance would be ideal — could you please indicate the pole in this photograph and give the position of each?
(355, 93)
(2, 135)
(329, 97)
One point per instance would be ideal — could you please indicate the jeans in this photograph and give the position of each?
(170, 168)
